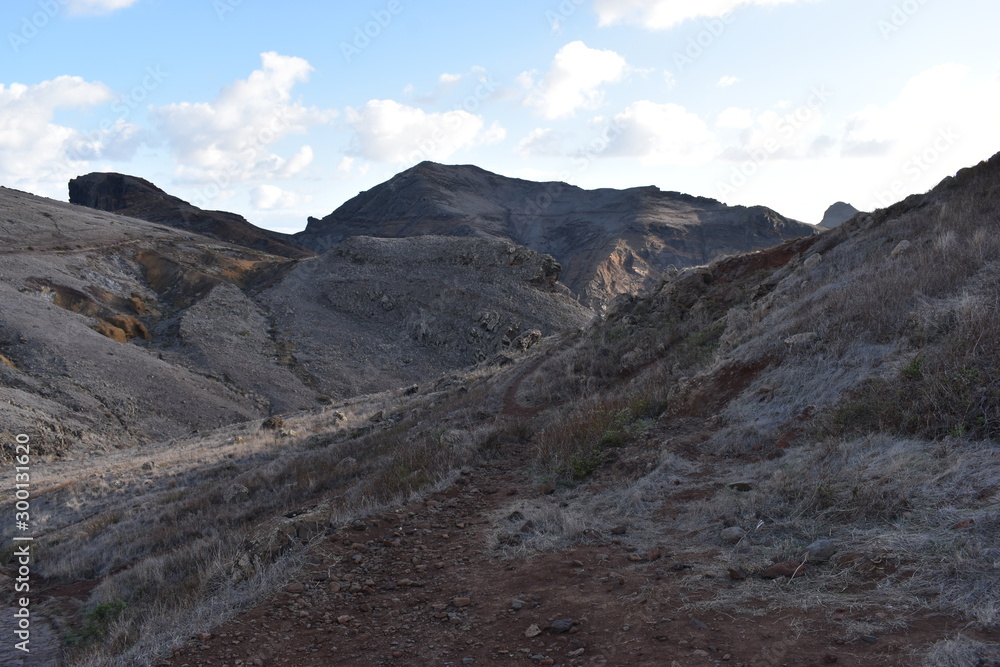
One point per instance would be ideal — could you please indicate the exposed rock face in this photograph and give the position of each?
(138, 198)
(838, 214)
(608, 241)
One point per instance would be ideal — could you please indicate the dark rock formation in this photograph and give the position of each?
(837, 215)
(608, 241)
(138, 198)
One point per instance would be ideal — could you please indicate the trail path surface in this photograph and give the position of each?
(423, 585)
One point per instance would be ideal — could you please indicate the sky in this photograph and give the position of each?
(280, 111)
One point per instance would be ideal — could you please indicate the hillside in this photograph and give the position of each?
(786, 456)
(609, 242)
(115, 331)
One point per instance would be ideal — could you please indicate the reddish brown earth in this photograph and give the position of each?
(423, 585)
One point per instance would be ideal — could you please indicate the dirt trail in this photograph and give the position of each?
(423, 585)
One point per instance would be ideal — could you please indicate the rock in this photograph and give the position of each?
(111, 331)
(273, 423)
(619, 530)
(527, 340)
(532, 631)
(830, 659)
(699, 653)
(733, 534)
(295, 588)
(344, 619)
(461, 602)
(516, 604)
(820, 551)
(577, 653)
(786, 569)
(561, 626)
(812, 261)
(697, 625)
(148, 465)
(334, 587)
(737, 573)
(204, 636)
(132, 327)
(900, 248)
(869, 639)
(741, 486)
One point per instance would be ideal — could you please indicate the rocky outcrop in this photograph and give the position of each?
(138, 198)
(608, 242)
(838, 214)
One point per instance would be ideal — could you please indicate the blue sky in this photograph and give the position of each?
(279, 111)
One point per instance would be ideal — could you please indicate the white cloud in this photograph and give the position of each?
(780, 133)
(348, 168)
(387, 131)
(661, 134)
(735, 118)
(97, 6)
(727, 81)
(39, 155)
(228, 138)
(541, 142)
(956, 127)
(448, 79)
(574, 81)
(665, 14)
(271, 197)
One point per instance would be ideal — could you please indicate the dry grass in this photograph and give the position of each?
(201, 531)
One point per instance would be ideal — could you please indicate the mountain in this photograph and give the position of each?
(800, 440)
(138, 198)
(609, 242)
(116, 331)
(838, 214)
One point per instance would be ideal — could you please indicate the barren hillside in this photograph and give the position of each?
(115, 331)
(786, 456)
